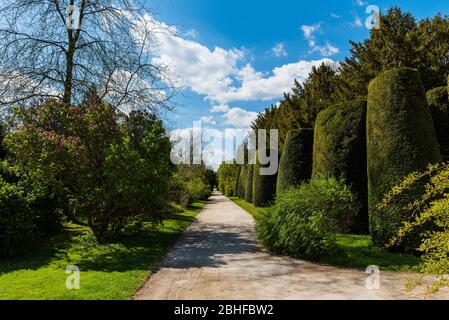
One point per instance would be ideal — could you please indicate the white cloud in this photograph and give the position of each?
(360, 2)
(357, 22)
(326, 50)
(208, 120)
(222, 108)
(222, 75)
(192, 33)
(240, 118)
(256, 86)
(335, 16)
(310, 30)
(279, 50)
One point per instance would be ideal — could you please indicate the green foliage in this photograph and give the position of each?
(195, 183)
(18, 221)
(2, 137)
(227, 178)
(432, 208)
(237, 181)
(249, 183)
(198, 190)
(439, 107)
(401, 140)
(96, 164)
(340, 151)
(400, 42)
(303, 221)
(295, 165)
(242, 181)
(264, 187)
(319, 92)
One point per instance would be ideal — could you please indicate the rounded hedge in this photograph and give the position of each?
(242, 182)
(295, 165)
(340, 151)
(438, 99)
(249, 184)
(264, 187)
(400, 139)
(237, 182)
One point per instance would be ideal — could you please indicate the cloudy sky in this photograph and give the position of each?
(236, 57)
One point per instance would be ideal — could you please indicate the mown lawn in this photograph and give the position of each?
(111, 272)
(356, 251)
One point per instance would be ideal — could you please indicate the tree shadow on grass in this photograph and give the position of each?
(47, 251)
(137, 252)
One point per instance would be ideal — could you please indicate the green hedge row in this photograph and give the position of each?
(438, 99)
(249, 183)
(295, 165)
(401, 140)
(264, 187)
(340, 151)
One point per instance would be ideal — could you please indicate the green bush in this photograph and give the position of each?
(179, 192)
(439, 107)
(400, 139)
(432, 207)
(18, 222)
(237, 181)
(227, 173)
(198, 190)
(100, 166)
(295, 165)
(249, 184)
(340, 151)
(264, 187)
(242, 181)
(304, 220)
(2, 137)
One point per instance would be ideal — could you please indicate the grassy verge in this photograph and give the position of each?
(356, 251)
(107, 272)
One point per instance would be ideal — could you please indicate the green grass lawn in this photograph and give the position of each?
(110, 272)
(356, 251)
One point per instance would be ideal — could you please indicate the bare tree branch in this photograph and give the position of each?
(40, 57)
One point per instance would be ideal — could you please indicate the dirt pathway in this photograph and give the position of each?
(218, 258)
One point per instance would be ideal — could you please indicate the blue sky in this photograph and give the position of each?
(236, 57)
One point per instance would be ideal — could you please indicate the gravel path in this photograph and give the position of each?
(218, 258)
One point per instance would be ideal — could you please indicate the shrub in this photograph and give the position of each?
(295, 165)
(249, 184)
(98, 165)
(439, 107)
(242, 181)
(401, 139)
(340, 151)
(2, 137)
(303, 221)
(227, 173)
(237, 181)
(432, 207)
(18, 222)
(179, 193)
(264, 187)
(198, 190)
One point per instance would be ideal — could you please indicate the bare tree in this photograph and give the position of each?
(62, 48)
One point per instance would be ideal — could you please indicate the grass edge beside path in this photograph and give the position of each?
(357, 251)
(107, 272)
